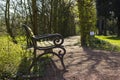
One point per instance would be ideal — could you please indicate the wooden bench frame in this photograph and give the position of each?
(56, 39)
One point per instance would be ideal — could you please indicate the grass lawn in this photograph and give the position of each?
(111, 39)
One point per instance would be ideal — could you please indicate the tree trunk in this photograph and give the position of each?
(87, 20)
(104, 27)
(7, 20)
(34, 17)
(100, 26)
(118, 25)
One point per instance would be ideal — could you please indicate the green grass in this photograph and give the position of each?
(112, 42)
(111, 39)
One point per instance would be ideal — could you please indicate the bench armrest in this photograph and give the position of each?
(57, 39)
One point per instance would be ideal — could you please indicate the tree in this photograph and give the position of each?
(7, 20)
(43, 16)
(116, 9)
(103, 13)
(34, 16)
(87, 15)
(108, 9)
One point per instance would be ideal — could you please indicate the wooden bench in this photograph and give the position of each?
(45, 43)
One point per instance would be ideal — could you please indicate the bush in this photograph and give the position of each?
(11, 56)
(15, 61)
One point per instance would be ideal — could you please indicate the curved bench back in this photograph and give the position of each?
(29, 35)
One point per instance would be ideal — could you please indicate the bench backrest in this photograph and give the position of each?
(28, 30)
(29, 35)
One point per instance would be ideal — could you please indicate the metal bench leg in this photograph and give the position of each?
(33, 62)
(62, 62)
(60, 54)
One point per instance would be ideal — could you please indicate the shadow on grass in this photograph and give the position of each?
(114, 38)
(103, 45)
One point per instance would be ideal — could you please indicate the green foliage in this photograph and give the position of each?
(77, 29)
(15, 61)
(99, 44)
(11, 56)
(87, 15)
(41, 65)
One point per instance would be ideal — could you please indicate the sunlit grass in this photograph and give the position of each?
(111, 39)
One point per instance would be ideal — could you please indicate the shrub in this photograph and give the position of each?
(11, 56)
(15, 61)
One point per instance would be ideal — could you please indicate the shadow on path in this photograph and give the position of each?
(84, 64)
(49, 72)
(88, 64)
(98, 56)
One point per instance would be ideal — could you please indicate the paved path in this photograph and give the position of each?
(86, 64)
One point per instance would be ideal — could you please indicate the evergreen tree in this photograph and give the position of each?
(87, 15)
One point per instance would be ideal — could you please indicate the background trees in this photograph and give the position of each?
(44, 16)
(108, 17)
(57, 16)
(103, 13)
(116, 10)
